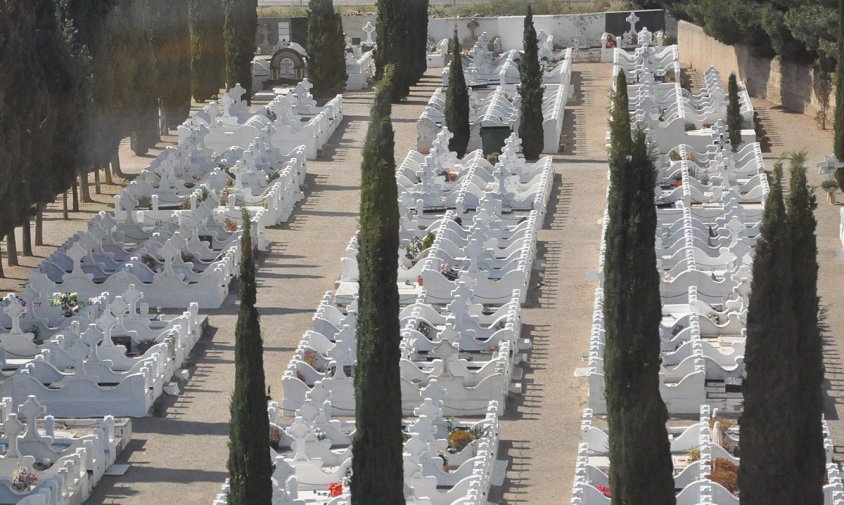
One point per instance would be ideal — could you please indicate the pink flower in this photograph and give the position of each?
(605, 490)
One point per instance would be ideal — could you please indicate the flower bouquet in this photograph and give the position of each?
(23, 479)
(68, 303)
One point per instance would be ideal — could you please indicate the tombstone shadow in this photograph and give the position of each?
(513, 490)
(574, 137)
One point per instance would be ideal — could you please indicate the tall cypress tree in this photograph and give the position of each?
(392, 28)
(326, 49)
(206, 41)
(145, 57)
(171, 38)
(640, 458)
(531, 91)
(60, 154)
(377, 445)
(621, 137)
(26, 116)
(839, 90)
(457, 101)
(811, 457)
(419, 39)
(768, 472)
(239, 32)
(733, 113)
(91, 20)
(249, 465)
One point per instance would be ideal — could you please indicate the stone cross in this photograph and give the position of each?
(368, 29)
(30, 410)
(132, 296)
(13, 427)
(76, 253)
(14, 310)
(632, 19)
(91, 337)
(301, 435)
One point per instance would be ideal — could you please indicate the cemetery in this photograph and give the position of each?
(611, 280)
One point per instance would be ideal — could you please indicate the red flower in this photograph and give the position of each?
(605, 490)
(335, 489)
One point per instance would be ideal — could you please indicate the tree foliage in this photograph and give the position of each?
(457, 101)
(531, 91)
(392, 38)
(733, 113)
(378, 477)
(795, 29)
(838, 146)
(326, 49)
(208, 59)
(640, 459)
(770, 419)
(241, 25)
(811, 458)
(249, 463)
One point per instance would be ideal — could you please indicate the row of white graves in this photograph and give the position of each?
(296, 118)
(466, 258)
(494, 98)
(675, 115)
(174, 234)
(54, 462)
(81, 335)
(705, 457)
(709, 205)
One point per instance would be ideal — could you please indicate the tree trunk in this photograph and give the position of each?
(115, 165)
(97, 188)
(12, 249)
(26, 236)
(64, 205)
(107, 173)
(39, 225)
(2, 273)
(162, 119)
(75, 192)
(85, 189)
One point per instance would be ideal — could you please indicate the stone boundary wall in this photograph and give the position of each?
(793, 86)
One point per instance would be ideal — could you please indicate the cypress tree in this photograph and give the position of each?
(531, 91)
(811, 457)
(621, 139)
(419, 39)
(90, 20)
(377, 477)
(239, 31)
(206, 38)
(60, 154)
(326, 49)
(640, 458)
(23, 115)
(249, 464)
(171, 40)
(768, 472)
(392, 28)
(457, 102)
(839, 92)
(146, 57)
(733, 113)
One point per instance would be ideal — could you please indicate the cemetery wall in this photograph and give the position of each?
(564, 28)
(784, 83)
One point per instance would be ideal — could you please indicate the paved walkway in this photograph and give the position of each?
(541, 429)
